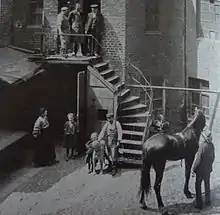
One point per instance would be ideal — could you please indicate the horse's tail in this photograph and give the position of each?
(145, 184)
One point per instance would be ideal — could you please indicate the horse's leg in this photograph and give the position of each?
(188, 165)
(159, 167)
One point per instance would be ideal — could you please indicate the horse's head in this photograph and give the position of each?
(199, 121)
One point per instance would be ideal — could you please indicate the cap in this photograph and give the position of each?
(109, 115)
(64, 8)
(208, 133)
(94, 135)
(70, 115)
(94, 6)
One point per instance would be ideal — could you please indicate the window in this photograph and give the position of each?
(152, 15)
(36, 12)
(198, 99)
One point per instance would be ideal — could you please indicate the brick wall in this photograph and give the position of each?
(50, 19)
(113, 38)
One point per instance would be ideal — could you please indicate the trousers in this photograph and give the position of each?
(199, 180)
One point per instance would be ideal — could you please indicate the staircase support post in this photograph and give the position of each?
(115, 105)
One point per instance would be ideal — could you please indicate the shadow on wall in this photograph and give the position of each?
(112, 47)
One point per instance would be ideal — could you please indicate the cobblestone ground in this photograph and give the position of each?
(67, 189)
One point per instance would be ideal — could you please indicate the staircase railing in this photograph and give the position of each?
(148, 99)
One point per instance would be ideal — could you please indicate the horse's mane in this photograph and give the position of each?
(189, 130)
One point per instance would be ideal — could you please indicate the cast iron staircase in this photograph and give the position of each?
(131, 113)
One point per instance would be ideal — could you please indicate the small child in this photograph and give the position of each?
(98, 154)
(70, 129)
(89, 153)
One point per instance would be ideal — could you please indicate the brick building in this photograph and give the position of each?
(146, 33)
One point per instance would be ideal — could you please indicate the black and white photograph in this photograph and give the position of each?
(109, 107)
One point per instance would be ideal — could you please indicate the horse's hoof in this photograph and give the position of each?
(189, 195)
(164, 211)
(143, 206)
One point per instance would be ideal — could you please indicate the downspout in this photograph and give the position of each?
(78, 94)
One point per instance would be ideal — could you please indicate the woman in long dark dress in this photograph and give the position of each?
(44, 151)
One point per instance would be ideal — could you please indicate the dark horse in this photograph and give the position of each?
(162, 147)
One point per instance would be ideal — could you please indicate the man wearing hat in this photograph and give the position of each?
(113, 132)
(63, 28)
(93, 27)
(202, 167)
(76, 25)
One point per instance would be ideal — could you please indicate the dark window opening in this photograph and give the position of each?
(102, 114)
(36, 12)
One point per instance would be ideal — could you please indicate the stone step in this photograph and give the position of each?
(119, 86)
(134, 118)
(113, 79)
(128, 132)
(137, 108)
(130, 151)
(131, 142)
(129, 101)
(107, 73)
(125, 160)
(136, 126)
(124, 94)
(101, 66)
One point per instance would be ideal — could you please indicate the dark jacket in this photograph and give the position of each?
(88, 24)
(204, 159)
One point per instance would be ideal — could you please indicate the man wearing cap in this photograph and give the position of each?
(113, 132)
(76, 26)
(63, 28)
(202, 167)
(93, 27)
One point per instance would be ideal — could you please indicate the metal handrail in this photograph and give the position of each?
(100, 78)
(150, 97)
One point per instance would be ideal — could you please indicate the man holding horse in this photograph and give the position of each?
(113, 132)
(183, 145)
(202, 167)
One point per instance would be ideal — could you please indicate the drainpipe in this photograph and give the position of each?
(78, 94)
(185, 56)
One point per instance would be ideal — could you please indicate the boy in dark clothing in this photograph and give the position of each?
(202, 167)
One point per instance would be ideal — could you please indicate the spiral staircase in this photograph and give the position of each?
(131, 112)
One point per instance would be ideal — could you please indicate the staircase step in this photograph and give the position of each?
(132, 142)
(136, 115)
(119, 86)
(113, 79)
(107, 73)
(129, 132)
(130, 151)
(130, 100)
(136, 108)
(101, 66)
(136, 126)
(124, 93)
(134, 118)
(130, 161)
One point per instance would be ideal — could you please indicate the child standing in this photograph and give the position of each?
(89, 152)
(70, 129)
